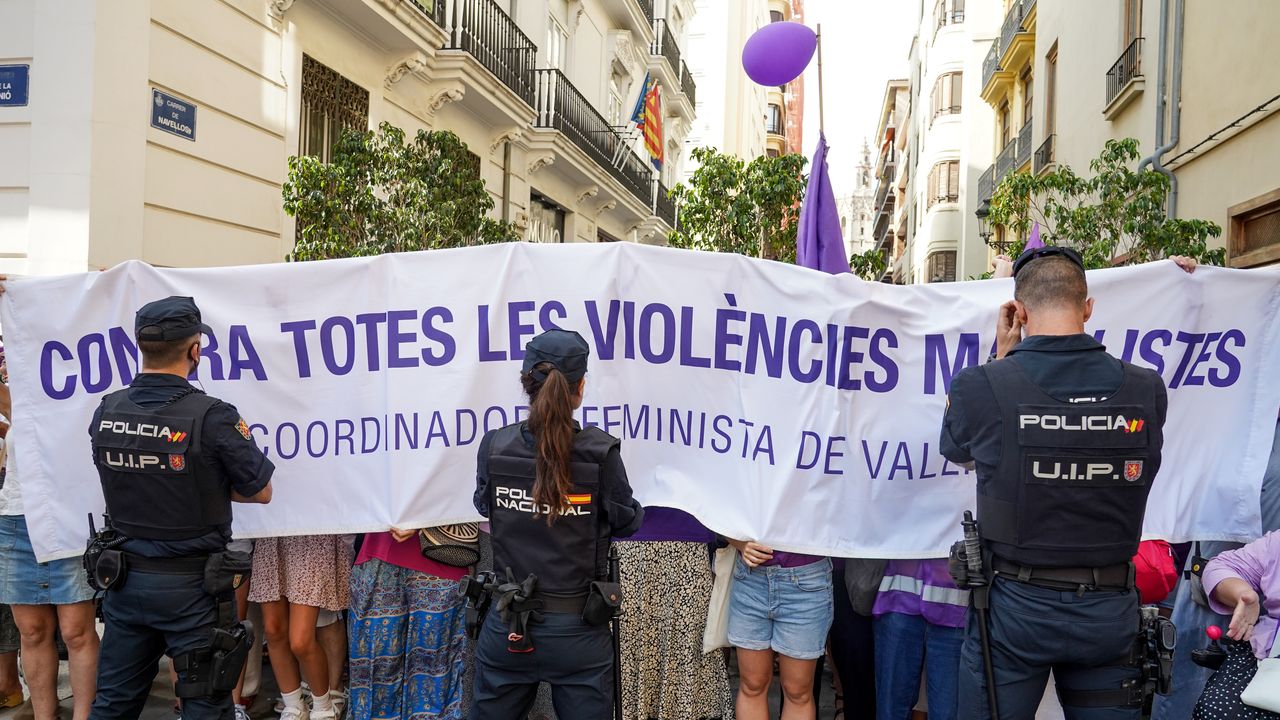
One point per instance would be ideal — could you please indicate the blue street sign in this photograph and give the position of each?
(14, 84)
(173, 115)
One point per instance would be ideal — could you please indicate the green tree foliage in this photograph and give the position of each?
(1118, 214)
(869, 265)
(749, 208)
(380, 194)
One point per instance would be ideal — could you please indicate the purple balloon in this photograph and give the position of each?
(778, 52)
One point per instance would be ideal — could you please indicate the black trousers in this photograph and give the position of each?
(575, 658)
(854, 652)
(149, 616)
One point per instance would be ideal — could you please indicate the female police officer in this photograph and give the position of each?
(554, 494)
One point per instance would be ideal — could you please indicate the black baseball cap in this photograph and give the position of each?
(1047, 251)
(563, 348)
(173, 318)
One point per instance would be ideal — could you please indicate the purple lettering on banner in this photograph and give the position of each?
(633, 430)
(324, 439)
(365, 449)
(882, 337)
(1148, 351)
(297, 441)
(668, 334)
(746, 435)
(549, 308)
(924, 465)
(1191, 341)
(716, 427)
(901, 461)
(1099, 334)
(502, 418)
(936, 361)
(473, 429)
(586, 411)
(1206, 352)
(211, 359)
(608, 413)
(436, 430)
(1130, 344)
(725, 338)
(448, 347)
(46, 371)
(804, 325)
(849, 358)
(328, 350)
(396, 338)
(604, 338)
(1228, 359)
(242, 355)
(344, 430)
(629, 326)
(253, 429)
(521, 414)
(517, 329)
(371, 321)
(833, 349)
(760, 342)
(687, 358)
(125, 353)
(832, 453)
(764, 445)
(805, 437)
(90, 348)
(874, 472)
(946, 464)
(299, 329)
(685, 428)
(408, 432)
(487, 355)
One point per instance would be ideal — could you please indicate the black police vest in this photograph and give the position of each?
(569, 554)
(1071, 486)
(156, 478)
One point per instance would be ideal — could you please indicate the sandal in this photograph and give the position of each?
(12, 700)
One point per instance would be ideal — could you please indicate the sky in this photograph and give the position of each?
(865, 43)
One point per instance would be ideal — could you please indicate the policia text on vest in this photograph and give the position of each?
(171, 460)
(1065, 441)
(554, 494)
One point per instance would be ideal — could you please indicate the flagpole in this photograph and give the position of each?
(821, 117)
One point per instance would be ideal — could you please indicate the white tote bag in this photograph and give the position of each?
(716, 634)
(1264, 689)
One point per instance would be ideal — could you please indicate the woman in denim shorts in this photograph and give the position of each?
(780, 603)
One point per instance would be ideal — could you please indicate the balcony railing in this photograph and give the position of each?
(664, 44)
(482, 29)
(1004, 161)
(1044, 155)
(646, 7)
(433, 9)
(991, 63)
(663, 206)
(687, 85)
(1024, 145)
(953, 17)
(986, 185)
(1012, 26)
(560, 106)
(1128, 67)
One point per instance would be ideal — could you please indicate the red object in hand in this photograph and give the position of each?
(1214, 632)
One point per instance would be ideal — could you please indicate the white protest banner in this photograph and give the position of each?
(772, 402)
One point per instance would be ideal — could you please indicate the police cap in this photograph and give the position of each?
(173, 318)
(565, 349)
(1049, 250)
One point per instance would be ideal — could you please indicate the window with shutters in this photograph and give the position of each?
(557, 43)
(947, 12)
(330, 104)
(1253, 235)
(941, 266)
(775, 125)
(776, 16)
(1051, 91)
(946, 94)
(944, 183)
(1027, 88)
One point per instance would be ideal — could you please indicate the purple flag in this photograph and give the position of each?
(1034, 240)
(819, 243)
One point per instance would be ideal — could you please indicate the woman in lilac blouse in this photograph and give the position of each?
(1235, 582)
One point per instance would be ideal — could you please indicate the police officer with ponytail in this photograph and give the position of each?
(1066, 441)
(171, 460)
(554, 493)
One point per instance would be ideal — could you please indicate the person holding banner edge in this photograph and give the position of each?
(171, 460)
(1065, 440)
(554, 493)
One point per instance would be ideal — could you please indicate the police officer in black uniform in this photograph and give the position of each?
(554, 493)
(171, 460)
(1065, 440)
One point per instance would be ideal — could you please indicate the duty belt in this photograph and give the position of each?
(1110, 578)
(167, 566)
(573, 604)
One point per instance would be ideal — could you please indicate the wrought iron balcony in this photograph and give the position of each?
(483, 30)
(433, 9)
(1128, 67)
(646, 7)
(663, 206)
(1023, 153)
(560, 106)
(664, 44)
(1004, 161)
(687, 85)
(1012, 26)
(991, 63)
(986, 185)
(1044, 155)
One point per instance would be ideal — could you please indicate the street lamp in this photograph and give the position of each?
(985, 230)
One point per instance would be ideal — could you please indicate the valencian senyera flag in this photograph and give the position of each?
(647, 116)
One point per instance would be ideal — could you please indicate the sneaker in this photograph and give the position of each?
(295, 713)
(339, 698)
(241, 713)
(322, 715)
(306, 695)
